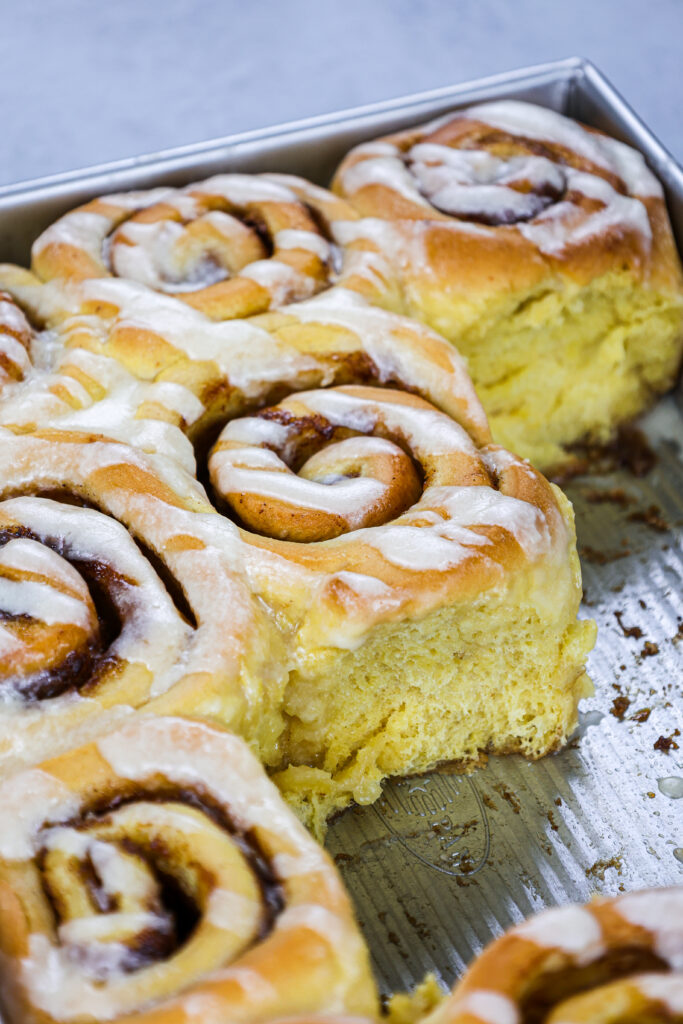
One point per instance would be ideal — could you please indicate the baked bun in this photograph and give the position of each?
(543, 250)
(156, 876)
(428, 586)
(614, 961)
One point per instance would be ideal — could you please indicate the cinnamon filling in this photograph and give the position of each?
(555, 987)
(81, 668)
(174, 903)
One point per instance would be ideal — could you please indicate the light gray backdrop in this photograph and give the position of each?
(89, 80)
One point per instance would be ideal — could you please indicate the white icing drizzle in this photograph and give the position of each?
(96, 928)
(15, 352)
(147, 253)
(428, 431)
(164, 255)
(471, 182)
(388, 171)
(571, 929)
(281, 280)
(315, 918)
(441, 544)
(59, 982)
(664, 988)
(9, 643)
(86, 535)
(487, 1006)
(87, 973)
(243, 189)
(81, 229)
(87, 230)
(305, 862)
(43, 601)
(237, 347)
(291, 238)
(367, 586)
(660, 911)
(26, 801)
(12, 317)
(250, 359)
(39, 401)
(231, 911)
(563, 225)
(346, 497)
(256, 430)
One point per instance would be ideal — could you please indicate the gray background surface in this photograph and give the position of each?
(90, 80)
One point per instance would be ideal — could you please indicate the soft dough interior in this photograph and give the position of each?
(562, 362)
(501, 673)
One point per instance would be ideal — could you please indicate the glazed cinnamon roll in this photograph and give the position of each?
(156, 876)
(120, 589)
(543, 250)
(231, 246)
(614, 961)
(196, 374)
(411, 570)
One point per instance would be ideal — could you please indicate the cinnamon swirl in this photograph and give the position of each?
(231, 246)
(120, 589)
(614, 961)
(540, 247)
(156, 876)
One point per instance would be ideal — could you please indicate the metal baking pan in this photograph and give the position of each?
(442, 863)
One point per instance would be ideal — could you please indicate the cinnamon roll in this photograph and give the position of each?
(231, 246)
(614, 961)
(411, 570)
(196, 374)
(54, 384)
(120, 589)
(156, 876)
(542, 248)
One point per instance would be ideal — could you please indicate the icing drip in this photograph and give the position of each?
(570, 929)
(473, 184)
(661, 913)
